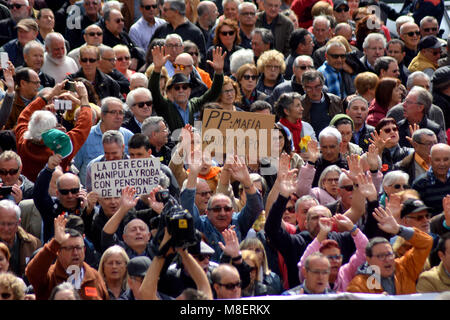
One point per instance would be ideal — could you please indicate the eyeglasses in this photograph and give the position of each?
(119, 20)
(430, 29)
(116, 112)
(319, 272)
(150, 6)
(193, 53)
(178, 87)
(98, 34)
(304, 67)
(126, 58)
(201, 256)
(11, 172)
(290, 209)
(34, 82)
(337, 56)
(399, 186)
(72, 248)
(205, 193)
(332, 180)
(248, 77)
(227, 33)
(112, 60)
(273, 67)
(250, 13)
(181, 66)
(65, 192)
(435, 52)
(384, 256)
(318, 87)
(335, 257)
(91, 60)
(144, 103)
(347, 188)
(174, 45)
(230, 286)
(6, 295)
(388, 130)
(8, 224)
(420, 218)
(342, 9)
(218, 209)
(428, 144)
(413, 33)
(16, 6)
(228, 91)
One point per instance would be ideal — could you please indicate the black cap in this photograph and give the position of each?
(138, 266)
(413, 206)
(338, 3)
(177, 78)
(429, 42)
(441, 77)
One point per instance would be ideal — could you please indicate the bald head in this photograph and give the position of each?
(184, 63)
(440, 160)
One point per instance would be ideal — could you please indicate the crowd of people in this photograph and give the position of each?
(359, 200)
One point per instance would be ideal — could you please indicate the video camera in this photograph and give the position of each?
(179, 223)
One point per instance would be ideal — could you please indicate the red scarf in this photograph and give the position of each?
(296, 131)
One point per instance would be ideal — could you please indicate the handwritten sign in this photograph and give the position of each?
(247, 134)
(110, 177)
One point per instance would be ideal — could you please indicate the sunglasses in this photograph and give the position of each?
(123, 58)
(248, 77)
(6, 295)
(180, 66)
(251, 13)
(430, 29)
(16, 6)
(290, 209)
(388, 130)
(202, 256)
(11, 172)
(342, 9)
(178, 87)
(150, 6)
(420, 218)
(91, 60)
(227, 33)
(98, 34)
(65, 192)
(398, 186)
(304, 67)
(144, 103)
(205, 193)
(413, 33)
(347, 188)
(218, 209)
(193, 53)
(337, 56)
(119, 20)
(230, 286)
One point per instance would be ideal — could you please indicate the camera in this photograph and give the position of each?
(179, 223)
(70, 85)
(5, 190)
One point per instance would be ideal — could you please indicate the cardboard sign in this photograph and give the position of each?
(110, 177)
(246, 134)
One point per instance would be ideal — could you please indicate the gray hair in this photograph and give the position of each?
(312, 75)
(106, 101)
(392, 176)
(54, 36)
(174, 36)
(417, 135)
(374, 37)
(224, 2)
(402, 20)
(177, 5)
(412, 77)
(151, 124)
(41, 121)
(424, 97)
(321, 18)
(330, 132)
(109, 5)
(103, 49)
(10, 205)
(303, 57)
(304, 199)
(341, 179)
(315, 255)
(164, 180)
(382, 63)
(131, 95)
(327, 170)
(266, 35)
(357, 98)
(373, 242)
(31, 45)
(140, 76)
(113, 136)
(245, 4)
(239, 58)
(427, 19)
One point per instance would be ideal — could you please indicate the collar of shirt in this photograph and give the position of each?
(183, 113)
(138, 123)
(433, 178)
(421, 162)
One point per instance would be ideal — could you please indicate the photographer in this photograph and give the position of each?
(220, 215)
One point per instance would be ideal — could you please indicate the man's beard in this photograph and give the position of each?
(55, 60)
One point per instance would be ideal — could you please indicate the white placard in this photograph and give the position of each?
(4, 60)
(110, 177)
(63, 104)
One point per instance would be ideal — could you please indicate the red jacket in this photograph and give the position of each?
(302, 9)
(376, 113)
(35, 156)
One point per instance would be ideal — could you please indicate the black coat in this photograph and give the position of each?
(104, 85)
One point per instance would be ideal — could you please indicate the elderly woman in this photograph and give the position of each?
(113, 269)
(345, 126)
(271, 67)
(123, 60)
(11, 287)
(388, 93)
(393, 182)
(247, 76)
(230, 95)
(227, 37)
(327, 191)
(385, 137)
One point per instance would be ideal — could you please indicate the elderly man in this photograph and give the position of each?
(112, 113)
(19, 9)
(338, 81)
(56, 63)
(11, 176)
(174, 12)
(107, 65)
(184, 63)
(33, 55)
(434, 184)
(247, 23)
(416, 107)
(410, 34)
(321, 31)
(207, 14)
(226, 282)
(396, 49)
(262, 40)
(300, 43)
(429, 26)
(27, 30)
(76, 31)
(429, 48)
(156, 130)
(142, 30)
(65, 252)
(21, 244)
(386, 66)
(93, 36)
(319, 107)
(173, 45)
(393, 276)
(280, 25)
(139, 102)
(358, 109)
(104, 85)
(300, 65)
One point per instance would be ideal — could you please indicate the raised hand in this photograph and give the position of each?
(54, 161)
(379, 142)
(218, 60)
(325, 224)
(343, 222)
(155, 205)
(231, 247)
(412, 128)
(239, 171)
(159, 57)
(60, 225)
(81, 89)
(354, 167)
(92, 198)
(17, 193)
(284, 163)
(386, 221)
(366, 186)
(372, 157)
(8, 74)
(313, 150)
(287, 184)
(128, 200)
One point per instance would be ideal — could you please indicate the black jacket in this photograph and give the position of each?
(131, 124)
(104, 85)
(364, 137)
(398, 154)
(403, 130)
(123, 82)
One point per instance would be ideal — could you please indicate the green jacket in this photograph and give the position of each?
(168, 110)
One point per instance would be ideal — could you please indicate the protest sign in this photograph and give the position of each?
(110, 177)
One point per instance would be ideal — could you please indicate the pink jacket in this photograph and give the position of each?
(348, 270)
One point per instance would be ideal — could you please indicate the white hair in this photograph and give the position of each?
(10, 205)
(374, 37)
(41, 121)
(239, 58)
(392, 176)
(130, 96)
(331, 132)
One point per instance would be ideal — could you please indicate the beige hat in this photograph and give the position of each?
(28, 24)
